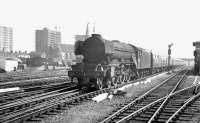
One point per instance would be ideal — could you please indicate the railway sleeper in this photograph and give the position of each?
(195, 105)
(192, 108)
(40, 115)
(154, 108)
(138, 107)
(120, 117)
(150, 112)
(186, 115)
(160, 120)
(51, 113)
(189, 111)
(141, 104)
(169, 110)
(183, 119)
(173, 101)
(141, 118)
(152, 97)
(124, 114)
(35, 119)
(173, 106)
(133, 108)
(176, 104)
(129, 111)
(164, 116)
(148, 101)
(145, 115)
(178, 101)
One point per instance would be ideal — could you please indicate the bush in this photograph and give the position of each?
(35, 61)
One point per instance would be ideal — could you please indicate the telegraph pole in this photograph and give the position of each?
(169, 54)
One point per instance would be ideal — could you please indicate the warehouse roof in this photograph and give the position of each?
(14, 59)
(10, 58)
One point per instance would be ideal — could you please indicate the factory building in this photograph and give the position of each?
(46, 38)
(81, 37)
(6, 39)
(67, 51)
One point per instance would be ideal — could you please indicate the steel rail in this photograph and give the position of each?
(74, 98)
(30, 101)
(31, 91)
(34, 111)
(154, 103)
(189, 101)
(22, 83)
(28, 76)
(168, 97)
(110, 118)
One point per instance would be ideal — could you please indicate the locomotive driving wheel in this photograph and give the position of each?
(99, 83)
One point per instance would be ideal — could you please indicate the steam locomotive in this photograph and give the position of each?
(108, 63)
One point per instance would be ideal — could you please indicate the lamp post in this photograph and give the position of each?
(169, 54)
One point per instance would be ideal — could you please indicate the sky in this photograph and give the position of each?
(150, 24)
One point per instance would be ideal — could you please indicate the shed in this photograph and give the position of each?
(9, 63)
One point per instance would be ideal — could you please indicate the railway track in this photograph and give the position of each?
(176, 113)
(187, 111)
(161, 111)
(57, 102)
(169, 86)
(29, 102)
(43, 104)
(34, 82)
(6, 77)
(7, 97)
(35, 106)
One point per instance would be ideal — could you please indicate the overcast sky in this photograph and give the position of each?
(151, 24)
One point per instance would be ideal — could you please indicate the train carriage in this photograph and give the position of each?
(144, 58)
(144, 61)
(157, 63)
